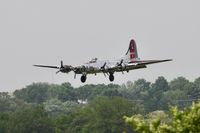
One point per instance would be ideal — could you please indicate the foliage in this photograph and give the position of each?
(57, 108)
(187, 121)
(154, 96)
(4, 118)
(29, 120)
(35, 93)
(103, 115)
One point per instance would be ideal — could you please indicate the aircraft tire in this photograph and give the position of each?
(111, 77)
(83, 78)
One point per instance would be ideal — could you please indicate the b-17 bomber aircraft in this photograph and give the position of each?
(129, 62)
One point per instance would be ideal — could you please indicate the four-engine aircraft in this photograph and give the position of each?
(129, 62)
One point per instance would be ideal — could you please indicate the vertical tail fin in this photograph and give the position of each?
(132, 51)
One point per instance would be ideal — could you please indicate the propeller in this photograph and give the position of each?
(121, 65)
(65, 68)
(61, 68)
(103, 69)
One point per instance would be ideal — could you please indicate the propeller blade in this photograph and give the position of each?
(57, 72)
(104, 74)
(103, 67)
(55, 67)
(61, 64)
(121, 61)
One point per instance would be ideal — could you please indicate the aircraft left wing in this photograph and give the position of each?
(147, 62)
(135, 65)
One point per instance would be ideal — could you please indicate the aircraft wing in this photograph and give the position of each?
(135, 65)
(62, 68)
(147, 62)
(125, 68)
(47, 66)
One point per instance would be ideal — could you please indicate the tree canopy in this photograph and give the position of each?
(44, 107)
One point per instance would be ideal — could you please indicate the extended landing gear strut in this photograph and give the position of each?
(83, 78)
(111, 77)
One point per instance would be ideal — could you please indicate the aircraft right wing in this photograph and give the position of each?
(56, 67)
(62, 68)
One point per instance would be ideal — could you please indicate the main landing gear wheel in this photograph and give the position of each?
(111, 77)
(83, 78)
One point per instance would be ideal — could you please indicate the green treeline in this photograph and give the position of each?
(176, 121)
(52, 108)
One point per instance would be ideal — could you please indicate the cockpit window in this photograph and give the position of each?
(94, 60)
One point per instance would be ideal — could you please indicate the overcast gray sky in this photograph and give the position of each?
(47, 31)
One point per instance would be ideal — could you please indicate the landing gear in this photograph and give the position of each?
(111, 77)
(83, 78)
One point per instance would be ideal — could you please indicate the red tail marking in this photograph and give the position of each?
(132, 49)
(132, 44)
(132, 56)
